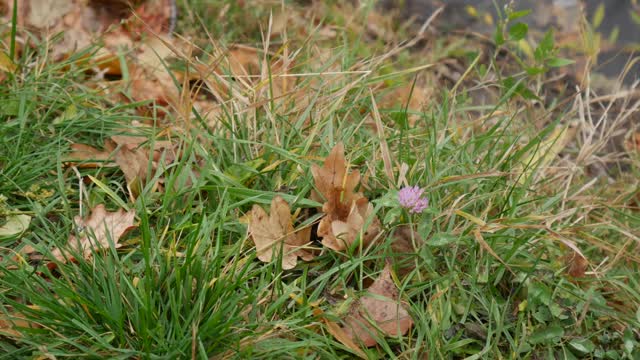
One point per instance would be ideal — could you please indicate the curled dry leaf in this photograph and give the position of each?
(132, 154)
(97, 231)
(273, 231)
(155, 85)
(379, 310)
(346, 211)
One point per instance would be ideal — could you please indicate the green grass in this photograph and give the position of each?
(187, 283)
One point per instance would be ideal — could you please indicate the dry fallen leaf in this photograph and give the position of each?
(6, 64)
(379, 310)
(158, 85)
(346, 211)
(86, 156)
(270, 232)
(576, 264)
(134, 158)
(10, 322)
(97, 231)
(340, 335)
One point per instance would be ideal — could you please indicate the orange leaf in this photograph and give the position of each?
(270, 232)
(100, 227)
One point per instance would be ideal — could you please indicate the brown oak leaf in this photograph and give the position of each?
(96, 231)
(346, 211)
(273, 231)
(379, 310)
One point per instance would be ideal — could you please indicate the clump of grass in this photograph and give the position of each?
(490, 279)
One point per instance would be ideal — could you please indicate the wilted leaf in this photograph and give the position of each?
(149, 84)
(134, 164)
(14, 226)
(275, 231)
(379, 310)
(81, 22)
(96, 232)
(346, 211)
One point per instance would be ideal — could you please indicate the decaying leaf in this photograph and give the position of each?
(96, 231)
(346, 211)
(378, 311)
(273, 231)
(134, 164)
(81, 22)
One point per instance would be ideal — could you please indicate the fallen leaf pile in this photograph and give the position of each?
(83, 23)
(346, 213)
